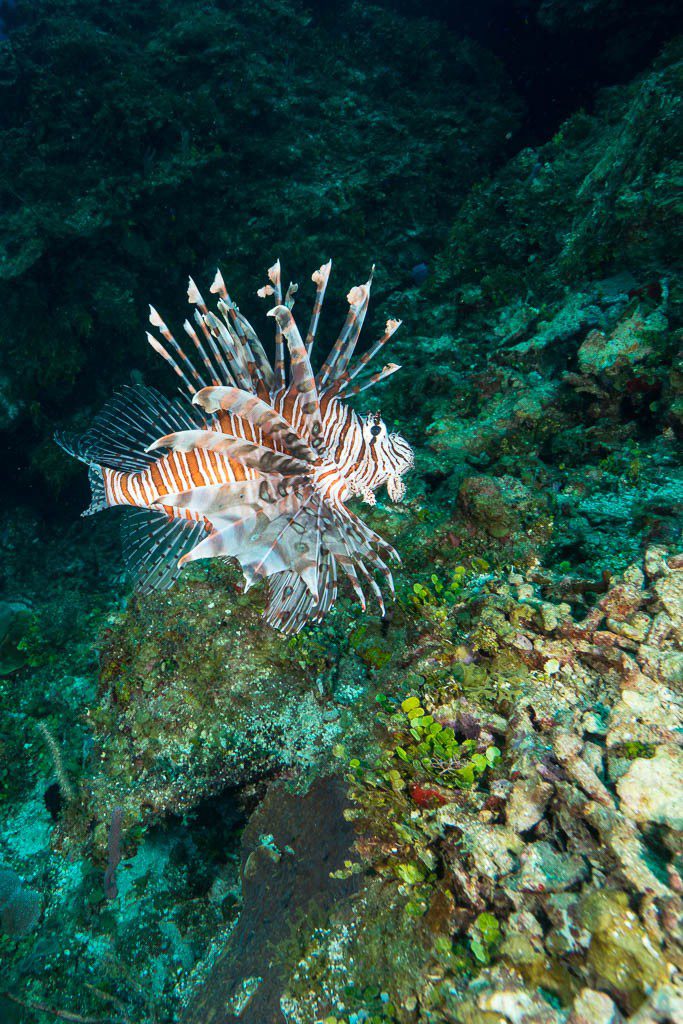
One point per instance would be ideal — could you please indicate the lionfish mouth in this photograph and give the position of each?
(256, 467)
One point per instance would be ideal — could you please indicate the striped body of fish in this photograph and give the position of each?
(260, 465)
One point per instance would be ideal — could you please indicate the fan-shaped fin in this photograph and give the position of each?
(290, 603)
(121, 432)
(235, 499)
(153, 544)
(287, 541)
(266, 539)
(247, 534)
(352, 545)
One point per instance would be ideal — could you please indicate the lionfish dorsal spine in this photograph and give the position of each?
(391, 327)
(357, 299)
(302, 383)
(192, 334)
(320, 278)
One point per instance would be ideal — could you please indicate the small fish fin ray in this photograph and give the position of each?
(153, 545)
(127, 425)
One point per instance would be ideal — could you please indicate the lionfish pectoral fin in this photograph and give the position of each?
(258, 414)
(286, 542)
(240, 523)
(255, 456)
(291, 604)
(235, 499)
(310, 576)
(154, 544)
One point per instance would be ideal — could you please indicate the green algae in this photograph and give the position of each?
(621, 952)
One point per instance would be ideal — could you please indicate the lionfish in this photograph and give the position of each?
(259, 466)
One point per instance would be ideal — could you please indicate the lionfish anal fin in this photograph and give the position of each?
(154, 544)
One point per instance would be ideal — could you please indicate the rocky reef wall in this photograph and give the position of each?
(468, 811)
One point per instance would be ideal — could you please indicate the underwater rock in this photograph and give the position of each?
(592, 1007)
(652, 788)
(669, 590)
(630, 343)
(193, 697)
(527, 803)
(280, 894)
(616, 172)
(483, 503)
(621, 952)
(16, 619)
(543, 869)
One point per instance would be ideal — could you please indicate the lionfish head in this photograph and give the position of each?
(390, 455)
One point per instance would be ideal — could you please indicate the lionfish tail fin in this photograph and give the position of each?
(74, 446)
(98, 498)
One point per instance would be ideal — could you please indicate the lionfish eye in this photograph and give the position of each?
(375, 430)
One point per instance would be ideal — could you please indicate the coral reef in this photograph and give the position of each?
(468, 812)
(539, 872)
